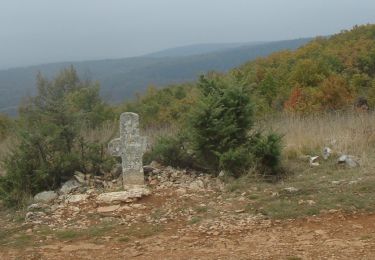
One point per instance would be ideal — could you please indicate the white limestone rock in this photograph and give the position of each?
(45, 197)
(69, 186)
(326, 152)
(76, 198)
(123, 196)
(348, 160)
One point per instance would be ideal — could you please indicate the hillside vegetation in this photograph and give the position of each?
(327, 74)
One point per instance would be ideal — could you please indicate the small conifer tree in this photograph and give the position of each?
(220, 125)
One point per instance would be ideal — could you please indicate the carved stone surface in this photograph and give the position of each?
(130, 147)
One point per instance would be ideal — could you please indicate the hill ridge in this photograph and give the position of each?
(121, 78)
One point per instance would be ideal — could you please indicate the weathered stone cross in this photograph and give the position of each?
(130, 147)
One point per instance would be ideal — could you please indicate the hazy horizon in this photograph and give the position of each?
(44, 31)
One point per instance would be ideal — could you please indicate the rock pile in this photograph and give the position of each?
(167, 177)
(82, 202)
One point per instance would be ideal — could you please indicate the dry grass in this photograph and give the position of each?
(110, 130)
(344, 133)
(327, 186)
(5, 147)
(153, 133)
(103, 134)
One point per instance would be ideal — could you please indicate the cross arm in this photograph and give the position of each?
(114, 147)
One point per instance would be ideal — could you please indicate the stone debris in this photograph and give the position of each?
(196, 185)
(182, 180)
(35, 217)
(75, 198)
(45, 197)
(82, 246)
(37, 206)
(107, 209)
(308, 202)
(291, 189)
(227, 224)
(83, 207)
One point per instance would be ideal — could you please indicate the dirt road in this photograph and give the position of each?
(333, 236)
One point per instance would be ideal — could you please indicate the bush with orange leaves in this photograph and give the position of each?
(334, 93)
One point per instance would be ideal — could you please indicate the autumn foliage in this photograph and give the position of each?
(327, 74)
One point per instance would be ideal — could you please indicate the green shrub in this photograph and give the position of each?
(235, 161)
(267, 153)
(52, 143)
(170, 151)
(93, 156)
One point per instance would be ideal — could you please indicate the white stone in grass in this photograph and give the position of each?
(313, 160)
(291, 189)
(327, 152)
(349, 160)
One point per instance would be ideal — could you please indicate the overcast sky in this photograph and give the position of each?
(40, 31)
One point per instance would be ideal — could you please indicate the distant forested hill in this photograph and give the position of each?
(198, 49)
(121, 78)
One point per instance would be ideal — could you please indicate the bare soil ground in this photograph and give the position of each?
(333, 236)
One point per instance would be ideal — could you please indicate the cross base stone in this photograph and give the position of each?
(133, 177)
